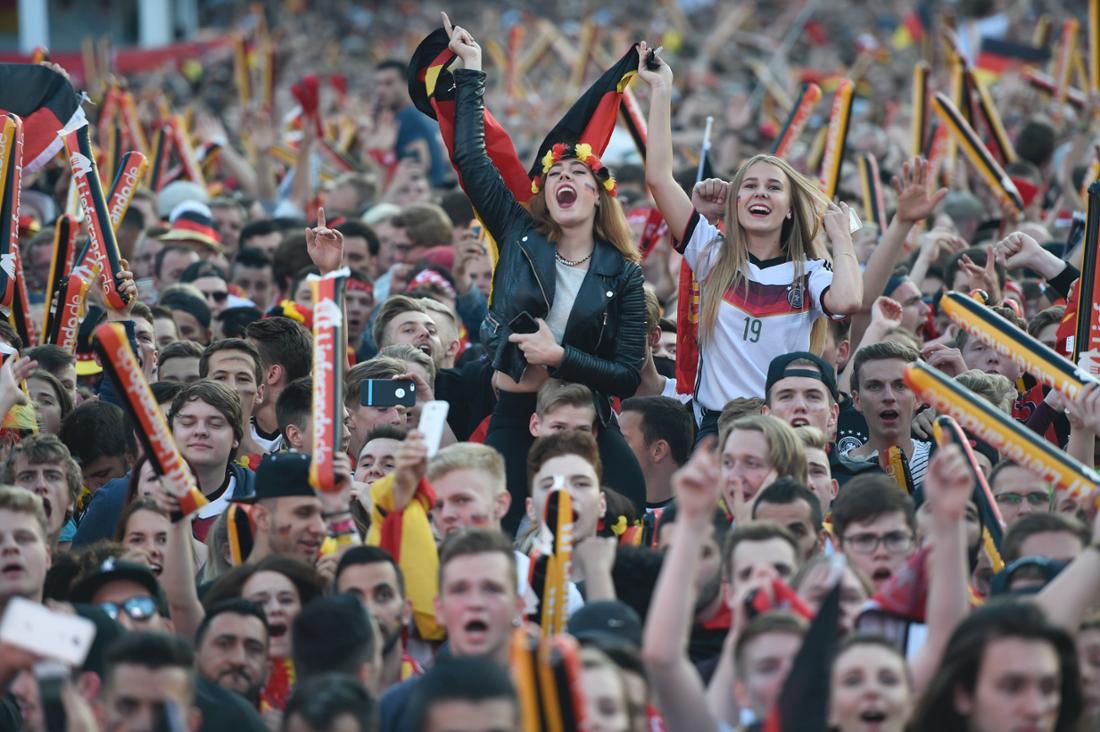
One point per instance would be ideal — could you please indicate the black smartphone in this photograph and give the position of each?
(387, 393)
(523, 323)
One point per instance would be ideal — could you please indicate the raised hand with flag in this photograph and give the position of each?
(567, 298)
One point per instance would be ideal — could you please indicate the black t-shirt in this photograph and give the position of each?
(10, 718)
(851, 427)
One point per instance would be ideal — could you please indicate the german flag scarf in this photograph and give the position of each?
(407, 536)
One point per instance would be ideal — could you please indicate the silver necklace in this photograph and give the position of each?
(571, 262)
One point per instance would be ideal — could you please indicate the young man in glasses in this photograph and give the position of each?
(1018, 491)
(874, 524)
(128, 592)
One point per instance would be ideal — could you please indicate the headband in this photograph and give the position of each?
(582, 152)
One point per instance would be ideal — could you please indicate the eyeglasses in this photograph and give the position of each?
(896, 542)
(1036, 500)
(136, 608)
(218, 297)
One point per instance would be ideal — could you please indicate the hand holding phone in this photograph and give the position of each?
(433, 418)
(523, 323)
(46, 633)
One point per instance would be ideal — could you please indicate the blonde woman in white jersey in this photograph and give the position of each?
(766, 280)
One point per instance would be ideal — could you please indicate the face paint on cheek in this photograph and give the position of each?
(590, 186)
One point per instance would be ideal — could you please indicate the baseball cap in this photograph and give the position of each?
(781, 367)
(606, 620)
(280, 475)
(113, 569)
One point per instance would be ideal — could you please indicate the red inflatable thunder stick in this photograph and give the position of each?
(90, 190)
(122, 366)
(808, 97)
(329, 360)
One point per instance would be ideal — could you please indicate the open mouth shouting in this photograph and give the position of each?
(873, 718)
(476, 631)
(12, 570)
(889, 417)
(566, 195)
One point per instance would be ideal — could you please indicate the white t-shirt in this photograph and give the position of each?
(773, 316)
(267, 444)
(567, 283)
(669, 391)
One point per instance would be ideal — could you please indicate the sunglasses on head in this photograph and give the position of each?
(136, 608)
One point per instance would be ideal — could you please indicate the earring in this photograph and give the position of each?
(790, 214)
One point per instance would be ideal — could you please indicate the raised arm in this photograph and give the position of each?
(673, 203)
(948, 487)
(915, 202)
(481, 181)
(845, 295)
(680, 694)
(1076, 589)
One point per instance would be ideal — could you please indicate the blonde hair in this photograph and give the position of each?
(811, 437)
(609, 225)
(797, 239)
(20, 500)
(652, 307)
(411, 354)
(994, 388)
(470, 456)
(785, 450)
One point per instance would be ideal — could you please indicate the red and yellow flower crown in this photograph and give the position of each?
(582, 152)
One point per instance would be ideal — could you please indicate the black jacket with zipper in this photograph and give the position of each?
(604, 338)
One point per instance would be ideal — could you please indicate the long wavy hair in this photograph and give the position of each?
(610, 224)
(797, 239)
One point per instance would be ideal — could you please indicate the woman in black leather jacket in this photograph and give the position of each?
(569, 262)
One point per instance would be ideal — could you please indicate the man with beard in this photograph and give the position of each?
(371, 574)
(231, 648)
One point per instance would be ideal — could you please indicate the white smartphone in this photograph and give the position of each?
(433, 418)
(47, 633)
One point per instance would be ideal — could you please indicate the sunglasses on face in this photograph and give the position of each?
(218, 297)
(136, 608)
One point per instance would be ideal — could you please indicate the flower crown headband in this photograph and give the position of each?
(582, 152)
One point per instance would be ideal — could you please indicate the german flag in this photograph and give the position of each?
(432, 90)
(913, 28)
(47, 103)
(996, 56)
(590, 120)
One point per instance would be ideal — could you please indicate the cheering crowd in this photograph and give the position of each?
(720, 451)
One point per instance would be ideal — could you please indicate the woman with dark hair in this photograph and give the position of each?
(144, 529)
(567, 297)
(1005, 667)
(870, 686)
(52, 402)
(282, 586)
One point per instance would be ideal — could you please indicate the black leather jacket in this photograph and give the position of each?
(605, 336)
